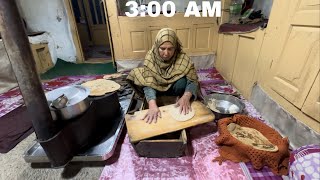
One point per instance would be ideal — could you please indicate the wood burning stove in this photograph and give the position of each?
(60, 140)
(93, 135)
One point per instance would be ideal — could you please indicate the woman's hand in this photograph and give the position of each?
(184, 103)
(153, 112)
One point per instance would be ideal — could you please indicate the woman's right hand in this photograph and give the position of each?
(153, 112)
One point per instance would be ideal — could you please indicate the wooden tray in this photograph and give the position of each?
(139, 130)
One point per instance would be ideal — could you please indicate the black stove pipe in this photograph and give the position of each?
(62, 142)
(20, 55)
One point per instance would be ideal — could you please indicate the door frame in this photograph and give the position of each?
(75, 34)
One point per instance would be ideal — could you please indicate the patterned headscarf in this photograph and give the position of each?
(159, 74)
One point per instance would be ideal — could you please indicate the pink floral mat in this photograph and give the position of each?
(197, 164)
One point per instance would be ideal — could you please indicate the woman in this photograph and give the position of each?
(167, 70)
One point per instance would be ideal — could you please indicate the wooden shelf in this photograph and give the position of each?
(42, 57)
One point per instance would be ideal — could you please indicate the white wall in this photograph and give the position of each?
(50, 16)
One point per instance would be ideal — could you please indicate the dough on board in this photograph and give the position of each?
(175, 114)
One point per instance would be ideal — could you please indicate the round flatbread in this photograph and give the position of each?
(175, 114)
(112, 76)
(100, 87)
(251, 137)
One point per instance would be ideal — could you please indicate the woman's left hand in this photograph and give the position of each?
(184, 103)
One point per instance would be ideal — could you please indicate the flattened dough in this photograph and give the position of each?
(100, 87)
(175, 114)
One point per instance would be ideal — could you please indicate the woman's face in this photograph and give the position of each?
(166, 51)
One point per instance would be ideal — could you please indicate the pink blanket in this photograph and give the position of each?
(197, 164)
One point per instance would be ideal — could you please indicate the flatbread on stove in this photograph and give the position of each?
(175, 114)
(100, 87)
(251, 137)
(112, 76)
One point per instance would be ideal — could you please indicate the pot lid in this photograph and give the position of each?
(75, 94)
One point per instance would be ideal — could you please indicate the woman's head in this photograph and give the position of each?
(166, 50)
(167, 44)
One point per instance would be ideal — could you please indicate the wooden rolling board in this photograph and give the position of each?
(139, 130)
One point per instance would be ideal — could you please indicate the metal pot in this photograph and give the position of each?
(224, 104)
(77, 104)
(70, 112)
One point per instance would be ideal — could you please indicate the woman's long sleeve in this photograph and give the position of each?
(149, 93)
(192, 87)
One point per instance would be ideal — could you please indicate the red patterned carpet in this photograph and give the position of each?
(125, 164)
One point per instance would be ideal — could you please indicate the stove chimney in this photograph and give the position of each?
(20, 55)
